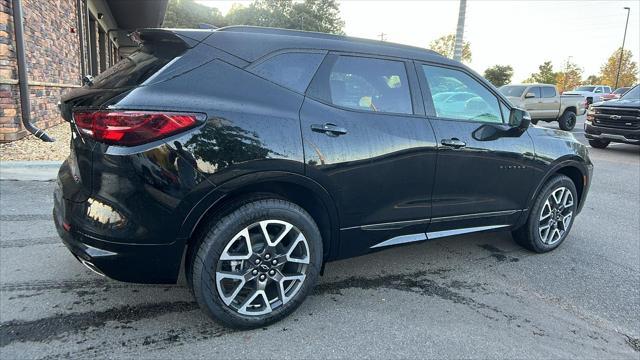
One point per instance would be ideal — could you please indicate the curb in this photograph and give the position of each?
(29, 170)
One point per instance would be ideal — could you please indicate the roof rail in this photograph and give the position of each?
(316, 35)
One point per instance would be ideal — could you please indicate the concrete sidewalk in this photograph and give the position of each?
(29, 170)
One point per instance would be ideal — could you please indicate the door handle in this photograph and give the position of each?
(454, 143)
(329, 129)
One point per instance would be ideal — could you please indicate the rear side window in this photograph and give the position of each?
(292, 70)
(458, 96)
(368, 84)
(548, 92)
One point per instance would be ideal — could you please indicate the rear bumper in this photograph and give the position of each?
(627, 136)
(151, 264)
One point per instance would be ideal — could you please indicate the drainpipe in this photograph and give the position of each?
(25, 105)
(80, 35)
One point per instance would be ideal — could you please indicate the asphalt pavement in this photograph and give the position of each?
(474, 296)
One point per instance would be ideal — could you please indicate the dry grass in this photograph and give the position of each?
(32, 148)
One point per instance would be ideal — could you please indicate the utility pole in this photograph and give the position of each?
(622, 48)
(382, 36)
(457, 51)
(564, 78)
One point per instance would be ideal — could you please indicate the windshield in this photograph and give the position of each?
(512, 90)
(621, 90)
(633, 94)
(585, 88)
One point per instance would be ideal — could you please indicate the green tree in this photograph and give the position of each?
(189, 14)
(445, 46)
(310, 15)
(499, 75)
(628, 70)
(545, 74)
(592, 80)
(569, 78)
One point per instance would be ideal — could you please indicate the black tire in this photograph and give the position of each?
(567, 121)
(534, 121)
(215, 241)
(528, 235)
(599, 144)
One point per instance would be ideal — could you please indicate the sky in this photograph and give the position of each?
(520, 33)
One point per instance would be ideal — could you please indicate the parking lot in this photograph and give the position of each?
(475, 296)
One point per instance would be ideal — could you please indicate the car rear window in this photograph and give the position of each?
(131, 71)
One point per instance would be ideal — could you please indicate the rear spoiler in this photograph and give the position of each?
(183, 38)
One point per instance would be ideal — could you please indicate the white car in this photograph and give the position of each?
(593, 93)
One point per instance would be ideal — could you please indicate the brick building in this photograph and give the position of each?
(63, 41)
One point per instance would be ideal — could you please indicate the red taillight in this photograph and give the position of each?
(128, 128)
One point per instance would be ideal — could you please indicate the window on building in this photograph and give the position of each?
(292, 70)
(458, 96)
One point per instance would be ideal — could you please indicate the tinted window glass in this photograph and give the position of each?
(132, 70)
(512, 90)
(633, 94)
(291, 70)
(585, 88)
(548, 92)
(370, 84)
(457, 95)
(535, 91)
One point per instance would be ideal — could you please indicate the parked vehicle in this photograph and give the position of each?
(250, 157)
(616, 94)
(593, 93)
(544, 103)
(614, 121)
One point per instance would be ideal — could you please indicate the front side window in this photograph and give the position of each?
(548, 92)
(512, 90)
(458, 96)
(368, 84)
(534, 93)
(598, 90)
(292, 70)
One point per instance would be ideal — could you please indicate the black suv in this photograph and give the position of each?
(614, 121)
(250, 157)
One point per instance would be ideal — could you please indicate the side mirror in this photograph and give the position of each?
(519, 118)
(529, 95)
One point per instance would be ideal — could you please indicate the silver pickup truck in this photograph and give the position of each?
(544, 103)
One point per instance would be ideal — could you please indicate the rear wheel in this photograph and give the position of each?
(567, 121)
(257, 264)
(551, 217)
(598, 144)
(534, 121)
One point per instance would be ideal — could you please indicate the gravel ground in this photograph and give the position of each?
(32, 148)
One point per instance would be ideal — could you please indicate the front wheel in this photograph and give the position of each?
(551, 217)
(598, 144)
(257, 264)
(567, 121)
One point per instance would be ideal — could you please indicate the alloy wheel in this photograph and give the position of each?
(262, 267)
(555, 216)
